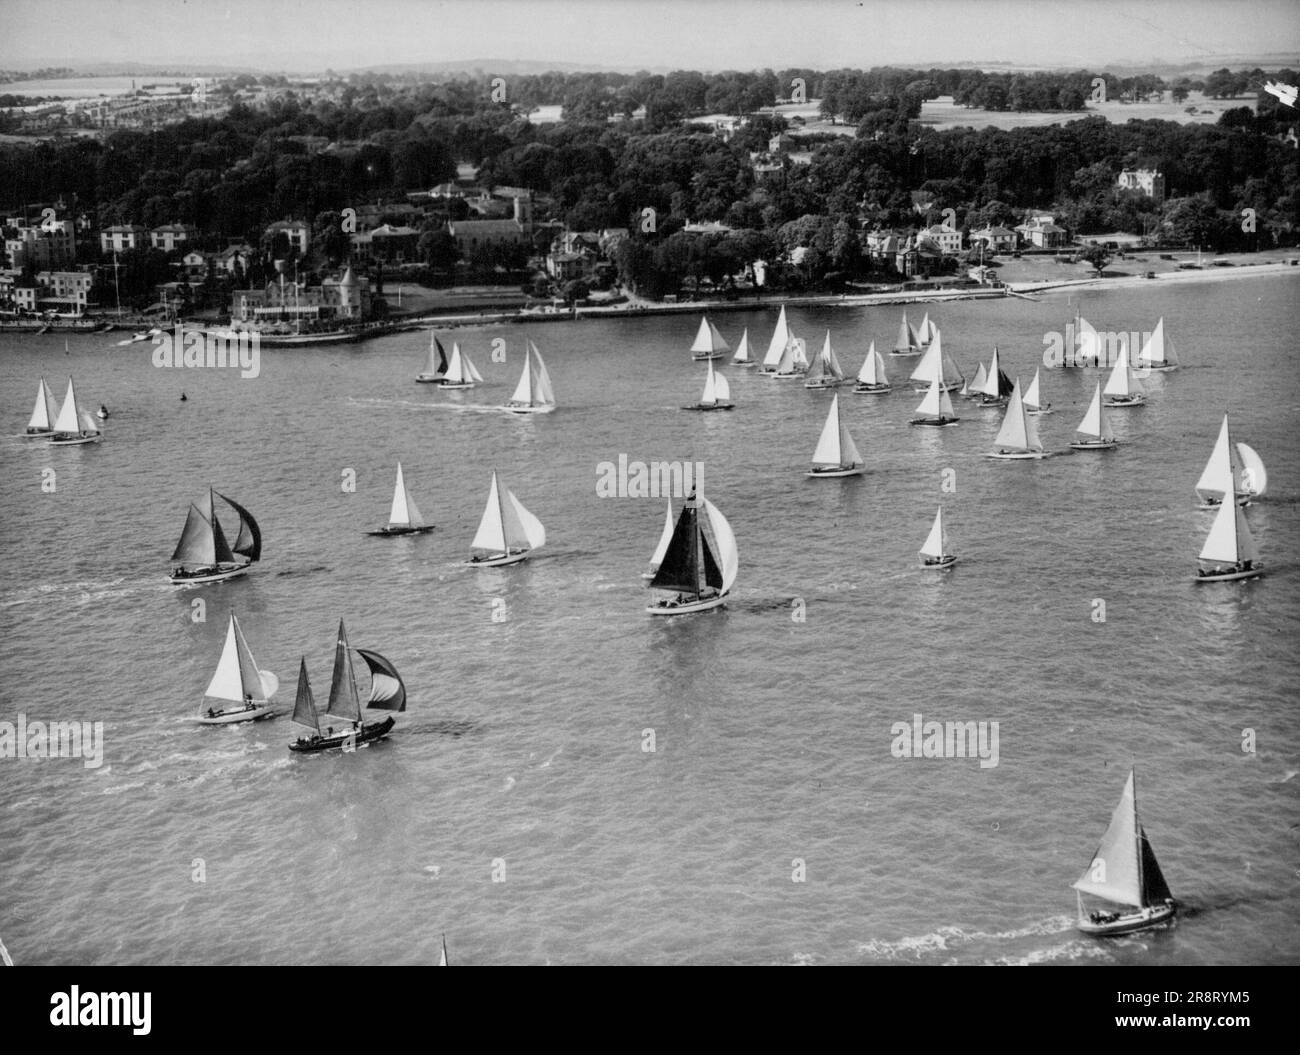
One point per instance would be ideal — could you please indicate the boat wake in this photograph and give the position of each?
(952, 939)
(81, 592)
(409, 404)
(302, 571)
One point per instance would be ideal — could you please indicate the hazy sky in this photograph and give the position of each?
(694, 34)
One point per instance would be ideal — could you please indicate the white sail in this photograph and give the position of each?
(1122, 383)
(1229, 540)
(66, 422)
(1218, 476)
(728, 555)
(742, 349)
(906, 337)
(1087, 343)
(491, 534)
(945, 403)
(931, 364)
(1158, 349)
(237, 675)
(800, 353)
(848, 449)
(470, 369)
(404, 512)
(828, 452)
(708, 340)
(543, 394)
(780, 338)
(931, 405)
(455, 371)
(1095, 424)
(1113, 873)
(936, 543)
(1253, 476)
(832, 364)
(1032, 398)
(532, 533)
(657, 558)
(710, 396)
(786, 364)
(989, 386)
(873, 368)
(977, 382)
(1019, 431)
(88, 425)
(524, 390)
(721, 389)
(44, 413)
(926, 332)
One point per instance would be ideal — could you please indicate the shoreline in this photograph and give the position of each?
(1028, 290)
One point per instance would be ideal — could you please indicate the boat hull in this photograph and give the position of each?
(386, 532)
(947, 386)
(667, 607)
(1125, 401)
(244, 714)
(713, 406)
(822, 474)
(1038, 412)
(833, 383)
(344, 741)
(1129, 922)
(734, 363)
(215, 575)
(785, 377)
(74, 441)
(700, 357)
(909, 354)
(32, 434)
(527, 410)
(938, 564)
(1018, 456)
(428, 379)
(1094, 445)
(872, 390)
(935, 423)
(985, 402)
(1231, 576)
(1155, 368)
(499, 560)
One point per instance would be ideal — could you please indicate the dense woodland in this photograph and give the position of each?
(601, 167)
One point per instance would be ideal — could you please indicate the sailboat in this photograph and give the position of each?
(73, 425)
(836, 453)
(1124, 872)
(996, 388)
(1158, 351)
(934, 552)
(1229, 551)
(742, 356)
(1122, 387)
(717, 393)
(1224, 470)
(708, 342)
(972, 388)
(436, 369)
(696, 573)
(44, 414)
(1094, 432)
(934, 363)
(404, 516)
(204, 555)
(1018, 437)
(907, 343)
(936, 408)
(461, 373)
(507, 534)
(387, 693)
(1033, 400)
(533, 394)
(776, 346)
(793, 361)
(657, 558)
(825, 370)
(1253, 477)
(239, 682)
(926, 332)
(871, 378)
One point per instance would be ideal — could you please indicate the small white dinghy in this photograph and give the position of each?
(871, 378)
(781, 337)
(825, 370)
(1123, 388)
(1094, 432)
(1229, 551)
(742, 356)
(404, 516)
(934, 363)
(533, 394)
(73, 426)
(995, 389)
(935, 553)
(696, 573)
(907, 343)
(507, 534)
(1224, 472)
(1124, 872)
(461, 373)
(1158, 351)
(836, 453)
(237, 683)
(936, 408)
(717, 393)
(971, 390)
(657, 558)
(1253, 479)
(708, 342)
(1018, 437)
(1033, 399)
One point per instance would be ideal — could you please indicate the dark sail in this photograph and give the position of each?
(224, 556)
(442, 357)
(344, 700)
(304, 707)
(1154, 887)
(680, 569)
(387, 690)
(1004, 384)
(712, 573)
(248, 542)
(196, 544)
